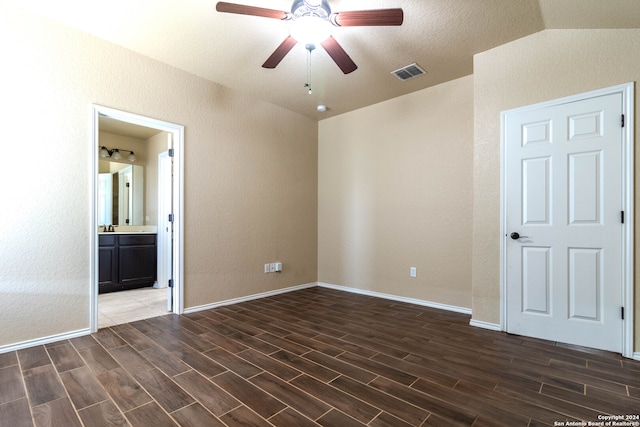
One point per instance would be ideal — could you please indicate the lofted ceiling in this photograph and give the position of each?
(440, 35)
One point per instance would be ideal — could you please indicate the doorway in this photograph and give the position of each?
(138, 217)
(566, 249)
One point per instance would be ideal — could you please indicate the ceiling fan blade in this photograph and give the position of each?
(280, 52)
(340, 57)
(241, 9)
(361, 18)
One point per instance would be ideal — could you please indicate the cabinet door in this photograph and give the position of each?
(137, 265)
(107, 268)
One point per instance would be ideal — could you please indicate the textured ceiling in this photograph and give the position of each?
(440, 35)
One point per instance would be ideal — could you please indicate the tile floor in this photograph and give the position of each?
(313, 358)
(116, 308)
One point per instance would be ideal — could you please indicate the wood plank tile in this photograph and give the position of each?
(346, 403)
(123, 389)
(386, 420)
(56, 413)
(345, 345)
(233, 363)
(253, 342)
(166, 361)
(422, 371)
(341, 367)
(133, 337)
(207, 393)
(33, 357)
(196, 416)
(305, 365)
(610, 405)
(337, 418)
(379, 368)
(104, 414)
(198, 361)
(65, 357)
(12, 387)
(98, 359)
(167, 393)
(291, 418)
(505, 408)
(254, 398)
(220, 340)
(307, 404)
(361, 360)
(312, 344)
(83, 342)
(149, 414)
(283, 343)
(8, 359)
(15, 414)
(83, 387)
(108, 339)
(269, 364)
(431, 404)
(405, 411)
(43, 385)
(130, 359)
(244, 417)
(570, 410)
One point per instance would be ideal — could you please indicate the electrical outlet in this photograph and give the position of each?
(413, 272)
(278, 267)
(272, 267)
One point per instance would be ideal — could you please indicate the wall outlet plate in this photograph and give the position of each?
(413, 272)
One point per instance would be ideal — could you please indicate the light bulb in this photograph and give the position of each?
(104, 152)
(116, 154)
(310, 30)
(132, 157)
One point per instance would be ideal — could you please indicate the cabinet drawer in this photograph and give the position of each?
(137, 239)
(104, 240)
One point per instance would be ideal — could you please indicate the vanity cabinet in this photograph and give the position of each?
(126, 261)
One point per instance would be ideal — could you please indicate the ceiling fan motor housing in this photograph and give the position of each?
(316, 8)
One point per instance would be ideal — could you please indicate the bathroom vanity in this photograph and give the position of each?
(127, 260)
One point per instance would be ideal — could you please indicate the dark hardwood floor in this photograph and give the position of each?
(312, 357)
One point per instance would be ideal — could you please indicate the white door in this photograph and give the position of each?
(564, 198)
(165, 226)
(105, 184)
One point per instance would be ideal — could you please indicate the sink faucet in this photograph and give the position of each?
(111, 228)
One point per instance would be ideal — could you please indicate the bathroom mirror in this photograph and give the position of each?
(120, 194)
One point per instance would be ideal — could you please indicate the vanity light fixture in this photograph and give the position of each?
(114, 153)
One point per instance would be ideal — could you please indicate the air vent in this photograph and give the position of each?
(409, 72)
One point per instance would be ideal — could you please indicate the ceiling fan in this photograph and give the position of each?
(311, 24)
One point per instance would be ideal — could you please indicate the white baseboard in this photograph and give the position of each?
(247, 298)
(44, 340)
(636, 356)
(485, 325)
(424, 303)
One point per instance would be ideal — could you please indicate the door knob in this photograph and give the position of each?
(515, 235)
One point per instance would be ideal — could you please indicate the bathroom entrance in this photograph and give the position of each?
(137, 221)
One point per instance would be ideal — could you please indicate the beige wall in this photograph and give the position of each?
(250, 176)
(395, 191)
(544, 66)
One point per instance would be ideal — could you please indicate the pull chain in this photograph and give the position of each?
(309, 47)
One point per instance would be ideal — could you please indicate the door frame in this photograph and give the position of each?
(627, 92)
(178, 202)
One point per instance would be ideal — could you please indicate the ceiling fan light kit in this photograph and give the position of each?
(310, 30)
(315, 17)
